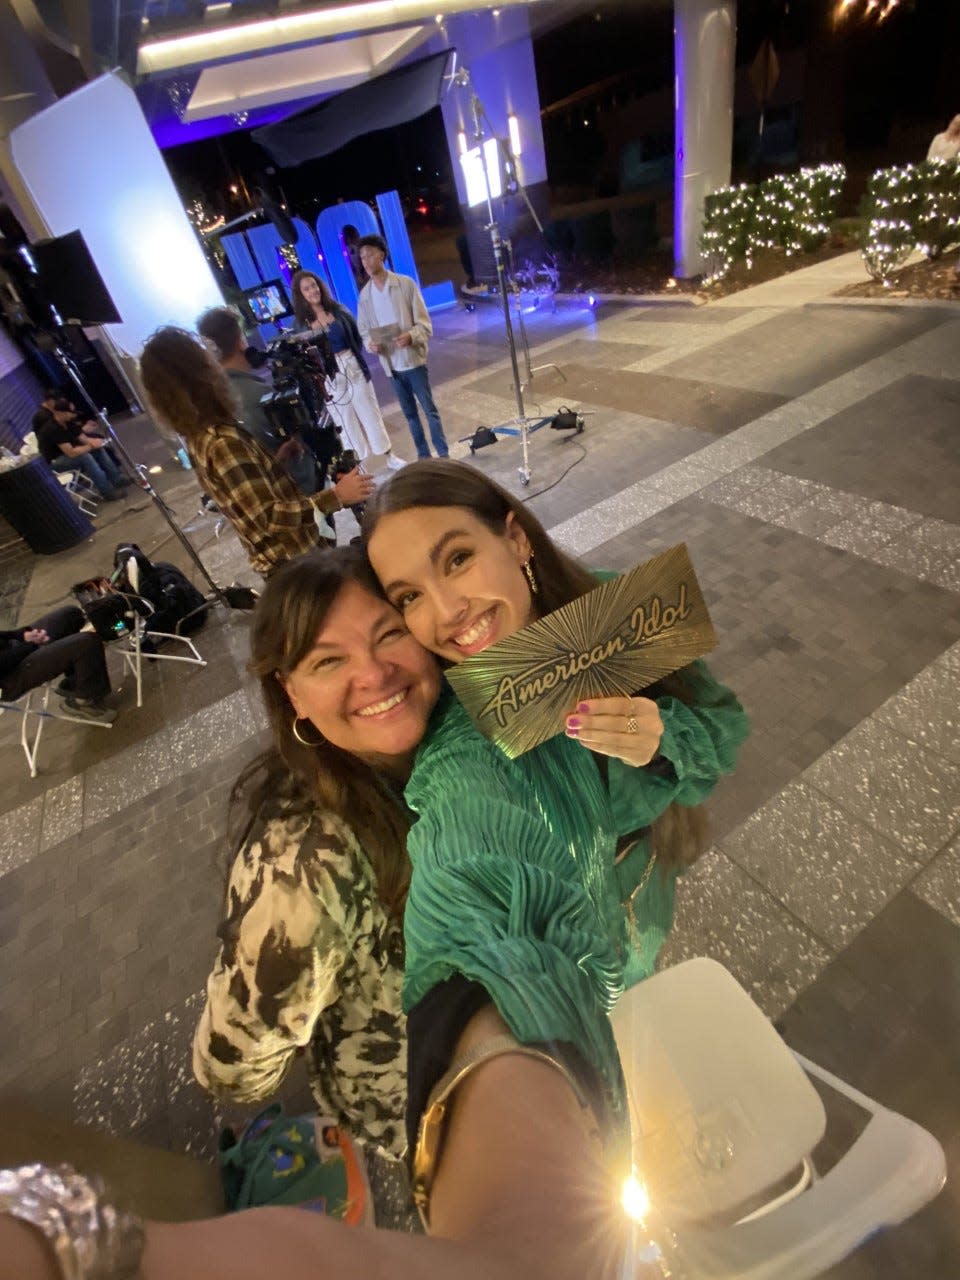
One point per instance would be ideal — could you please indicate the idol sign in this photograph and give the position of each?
(612, 642)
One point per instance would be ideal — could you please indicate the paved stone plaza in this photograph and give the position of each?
(808, 452)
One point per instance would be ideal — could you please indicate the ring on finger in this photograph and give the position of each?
(632, 726)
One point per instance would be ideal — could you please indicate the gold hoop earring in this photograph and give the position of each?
(530, 576)
(296, 733)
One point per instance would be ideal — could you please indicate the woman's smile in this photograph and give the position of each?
(477, 635)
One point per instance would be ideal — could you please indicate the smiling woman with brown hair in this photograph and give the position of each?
(541, 885)
(311, 954)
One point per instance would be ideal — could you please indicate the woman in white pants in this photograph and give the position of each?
(353, 402)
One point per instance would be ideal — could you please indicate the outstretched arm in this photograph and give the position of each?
(522, 1190)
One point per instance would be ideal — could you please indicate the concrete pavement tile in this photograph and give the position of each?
(856, 537)
(939, 884)
(764, 503)
(809, 518)
(122, 1091)
(723, 913)
(729, 453)
(731, 488)
(62, 812)
(608, 519)
(683, 478)
(910, 795)
(20, 834)
(830, 870)
(928, 710)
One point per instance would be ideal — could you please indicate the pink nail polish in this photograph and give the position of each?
(573, 722)
(584, 706)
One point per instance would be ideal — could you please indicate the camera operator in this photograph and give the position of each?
(274, 519)
(220, 327)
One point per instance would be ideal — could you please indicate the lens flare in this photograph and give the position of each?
(634, 1198)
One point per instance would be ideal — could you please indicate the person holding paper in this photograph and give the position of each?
(467, 565)
(490, 916)
(395, 325)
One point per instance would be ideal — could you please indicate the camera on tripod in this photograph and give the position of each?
(299, 369)
(297, 405)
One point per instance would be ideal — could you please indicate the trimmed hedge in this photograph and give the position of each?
(915, 206)
(791, 211)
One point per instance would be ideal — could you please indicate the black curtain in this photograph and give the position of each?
(401, 95)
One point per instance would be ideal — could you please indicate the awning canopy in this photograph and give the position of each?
(401, 95)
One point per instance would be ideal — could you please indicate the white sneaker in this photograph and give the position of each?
(394, 463)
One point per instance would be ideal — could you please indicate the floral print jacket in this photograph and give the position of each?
(308, 960)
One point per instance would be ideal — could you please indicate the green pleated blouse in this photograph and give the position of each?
(514, 883)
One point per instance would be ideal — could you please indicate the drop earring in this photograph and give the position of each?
(530, 576)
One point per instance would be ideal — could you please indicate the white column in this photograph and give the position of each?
(704, 43)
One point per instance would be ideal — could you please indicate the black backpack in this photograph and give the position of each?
(179, 608)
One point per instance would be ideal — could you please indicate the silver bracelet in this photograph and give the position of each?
(92, 1240)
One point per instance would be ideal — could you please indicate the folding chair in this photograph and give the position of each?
(82, 489)
(131, 645)
(35, 705)
(725, 1121)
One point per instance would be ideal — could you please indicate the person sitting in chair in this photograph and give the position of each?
(69, 445)
(54, 646)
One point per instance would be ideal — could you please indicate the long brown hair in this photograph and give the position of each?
(302, 309)
(679, 835)
(186, 387)
(294, 604)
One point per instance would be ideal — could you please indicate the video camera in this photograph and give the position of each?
(299, 368)
(297, 405)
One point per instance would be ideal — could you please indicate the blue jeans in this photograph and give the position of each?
(98, 467)
(412, 385)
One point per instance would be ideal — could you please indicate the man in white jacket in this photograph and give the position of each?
(395, 325)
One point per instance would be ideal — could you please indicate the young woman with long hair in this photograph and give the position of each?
(353, 401)
(273, 518)
(468, 565)
(501, 571)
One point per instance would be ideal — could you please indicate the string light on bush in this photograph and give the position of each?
(915, 206)
(791, 212)
(728, 215)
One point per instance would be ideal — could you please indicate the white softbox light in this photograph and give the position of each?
(90, 164)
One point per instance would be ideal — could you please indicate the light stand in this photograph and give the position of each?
(234, 597)
(521, 425)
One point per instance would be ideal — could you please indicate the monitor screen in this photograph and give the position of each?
(69, 280)
(267, 302)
